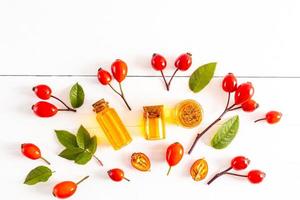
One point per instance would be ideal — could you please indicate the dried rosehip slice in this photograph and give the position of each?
(140, 161)
(199, 170)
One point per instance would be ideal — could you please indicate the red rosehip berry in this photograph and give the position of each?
(174, 155)
(32, 151)
(273, 117)
(158, 62)
(229, 83)
(117, 174)
(66, 189)
(184, 61)
(44, 109)
(243, 93)
(240, 163)
(256, 176)
(104, 76)
(119, 70)
(250, 105)
(42, 91)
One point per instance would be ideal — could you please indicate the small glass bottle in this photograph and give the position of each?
(111, 124)
(188, 113)
(154, 122)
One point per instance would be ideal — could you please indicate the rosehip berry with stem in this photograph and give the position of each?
(117, 175)
(256, 176)
(119, 70)
(174, 155)
(271, 117)
(182, 63)
(32, 151)
(66, 189)
(104, 76)
(45, 109)
(159, 63)
(229, 83)
(240, 163)
(248, 106)
(44, 92)
(243, 93)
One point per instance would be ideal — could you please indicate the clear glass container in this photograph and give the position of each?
(154, 122)
(111, 124)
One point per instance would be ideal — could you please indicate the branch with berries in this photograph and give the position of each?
(243, 94)
(119, 71)
(182, 63)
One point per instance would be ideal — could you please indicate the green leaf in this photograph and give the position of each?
(71, 154)
(76, 96)
(83, 158)
(66, 138)
(92, 147)
(38, 174)
(83, 137)
(226, 133)
(202, 76)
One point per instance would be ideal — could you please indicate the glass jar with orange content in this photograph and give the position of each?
(112, 125)
(154, 122)
(188, 113)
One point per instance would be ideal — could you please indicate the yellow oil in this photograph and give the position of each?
(111, 124)
(154, 123)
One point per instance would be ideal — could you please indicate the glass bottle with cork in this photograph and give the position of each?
(111, 124)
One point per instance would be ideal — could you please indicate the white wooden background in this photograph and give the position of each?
(61, 42)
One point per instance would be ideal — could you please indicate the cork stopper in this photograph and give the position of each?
(100, 105)
(153, 111)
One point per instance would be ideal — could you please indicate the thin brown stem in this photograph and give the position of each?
(126, 179)
(199, 135)
(236, 108)
(234, 174)
(114, 90)
(259, 120)
(120, 94)
(67, 109)
(46, 161)
(172, 78)
(82, 180)
(218, 175)
(58, 99)
(123, 97)
(98, 160)
(166, 83)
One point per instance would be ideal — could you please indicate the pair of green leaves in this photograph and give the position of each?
(38, 174)
(76, 96)
(226, 133)
(80, 147)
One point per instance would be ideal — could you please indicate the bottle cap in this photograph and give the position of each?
(100, 105)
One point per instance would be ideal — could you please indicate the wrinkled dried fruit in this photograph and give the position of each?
(199, 169)
(140, 161)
